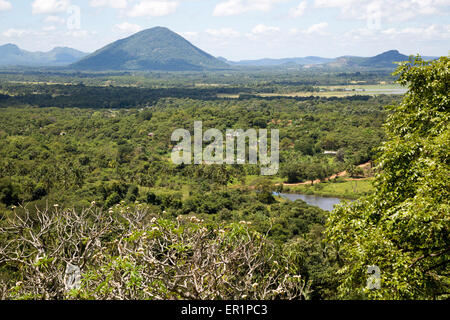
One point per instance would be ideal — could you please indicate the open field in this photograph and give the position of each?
(351, 189)
(333, 91)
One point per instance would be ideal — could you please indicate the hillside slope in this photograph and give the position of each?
(152, 49)
(384, 60)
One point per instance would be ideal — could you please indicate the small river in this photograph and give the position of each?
(323, 203)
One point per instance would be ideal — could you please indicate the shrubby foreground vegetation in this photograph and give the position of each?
(139, 227)
(128, 253)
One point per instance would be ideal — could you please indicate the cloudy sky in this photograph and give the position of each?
(236, 29)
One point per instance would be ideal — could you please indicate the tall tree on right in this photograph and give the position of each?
(403, 228)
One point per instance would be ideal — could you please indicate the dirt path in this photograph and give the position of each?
(363, 166)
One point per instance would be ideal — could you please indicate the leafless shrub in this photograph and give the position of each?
(3, 290)
(41, 245)
(128, 253)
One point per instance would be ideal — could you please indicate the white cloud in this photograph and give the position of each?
(390, 10)
(54, 19)
(335, 3)
(5, 5)
(116, 4)
(229, 8)
(317, 28)
(432, 32)
(262, 32)
(47, 32)
(79, 33)
(418, 37)
(49, 28)
(236, 7)
(128, 27)
(298, 10)
(18, 33)
(189, 34)
(153, 8)
(50, 6)
(263, 29)
(223, 33)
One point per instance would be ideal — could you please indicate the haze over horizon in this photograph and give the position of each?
(236, 29)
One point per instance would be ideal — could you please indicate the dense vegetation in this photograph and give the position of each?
(130, 254)
(403, 228)
(100, 169)
(75, 156)
(259, 80)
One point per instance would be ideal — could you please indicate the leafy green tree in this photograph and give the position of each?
(404, 227)
(38, 192)
(113, 199)
(132, 194)
(294, 171)
(265, 189)
(340, 155)
(305, 146)
(9, 192)
(316, 262)
(151, 198)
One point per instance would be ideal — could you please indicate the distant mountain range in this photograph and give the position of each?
(160, 49)
(12, 55)
(278, 62)
(385, 60)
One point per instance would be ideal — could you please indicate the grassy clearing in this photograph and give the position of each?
(363, 86)
(333, 91)
(339, 189)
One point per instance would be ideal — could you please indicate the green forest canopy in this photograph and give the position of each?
(403, 228)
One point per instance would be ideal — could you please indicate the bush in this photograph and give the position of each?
(128, 253)
(9, 192)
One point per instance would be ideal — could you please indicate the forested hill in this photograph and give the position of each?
(152, 49)
(384, 60)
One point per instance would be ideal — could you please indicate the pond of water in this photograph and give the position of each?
(323, 203)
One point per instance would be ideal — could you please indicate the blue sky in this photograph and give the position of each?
(236, 29)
